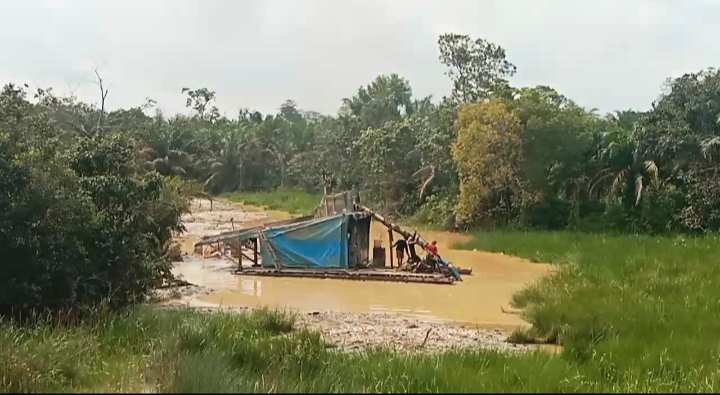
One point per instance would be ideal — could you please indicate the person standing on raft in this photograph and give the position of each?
(412, 241)
(401, 247)
(432, 254)
(432, 247)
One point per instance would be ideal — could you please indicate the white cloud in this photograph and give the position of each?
(609, 54)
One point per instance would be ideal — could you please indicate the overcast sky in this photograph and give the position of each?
(607, 54)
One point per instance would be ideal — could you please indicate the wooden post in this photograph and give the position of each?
(392, 266)
(255, 252)
(240, 253)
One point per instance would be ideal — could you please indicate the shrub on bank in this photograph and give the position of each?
(80, 226)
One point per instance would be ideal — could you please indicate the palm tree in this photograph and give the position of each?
(624, 170)
(225, 169)
(170, 145)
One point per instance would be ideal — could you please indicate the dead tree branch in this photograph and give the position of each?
(103, 95)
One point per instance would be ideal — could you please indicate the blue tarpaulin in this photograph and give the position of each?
(318, 243)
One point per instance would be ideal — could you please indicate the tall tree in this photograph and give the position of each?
(488, 154)
(478, 68)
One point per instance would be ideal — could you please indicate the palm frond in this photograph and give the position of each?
(603, 175)
(428, 174)
(709, 145)
(652, 171)
(424, 172)
(413, 154)
(178, 171)
(159, 163)
(425, 184)
(638, 188)
(209, 180)
(619, 180)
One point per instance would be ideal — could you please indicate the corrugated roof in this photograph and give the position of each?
(249, 233)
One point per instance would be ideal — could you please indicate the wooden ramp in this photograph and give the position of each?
(349, 274)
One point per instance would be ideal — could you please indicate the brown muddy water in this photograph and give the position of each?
(478, 300)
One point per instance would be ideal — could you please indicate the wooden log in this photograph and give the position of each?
(392, 266)
(403, 232)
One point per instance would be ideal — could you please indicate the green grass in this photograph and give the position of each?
(293, 202)
(634, 314)
(631, 308)
(189, 351)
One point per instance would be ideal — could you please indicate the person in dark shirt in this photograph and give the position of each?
(400, 247)
(412, 242)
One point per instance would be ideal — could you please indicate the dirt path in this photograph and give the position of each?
(361, 314)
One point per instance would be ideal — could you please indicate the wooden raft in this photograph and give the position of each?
(345, 274)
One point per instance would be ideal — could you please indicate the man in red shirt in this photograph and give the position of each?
(432, 247)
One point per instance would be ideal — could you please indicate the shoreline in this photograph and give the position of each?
(354, 332)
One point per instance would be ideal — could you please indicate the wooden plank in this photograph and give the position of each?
(363, 275)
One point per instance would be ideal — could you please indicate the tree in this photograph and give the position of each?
(199, 100)
(387, 174)
(435, 128)
(226, 166)
(488, 156)
(477, 68)
(385, 99)
(170, 145)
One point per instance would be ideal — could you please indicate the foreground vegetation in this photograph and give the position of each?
(630, 307)
(633, 313)
(621, 346)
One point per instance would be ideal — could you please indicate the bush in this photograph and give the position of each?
(83, 229)
(437, 212)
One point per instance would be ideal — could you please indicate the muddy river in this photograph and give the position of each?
(477, 300)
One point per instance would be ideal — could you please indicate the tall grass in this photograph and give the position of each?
(628, 307)
(189, 351)
(291, 201)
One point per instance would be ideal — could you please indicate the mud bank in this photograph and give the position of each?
(353, 332)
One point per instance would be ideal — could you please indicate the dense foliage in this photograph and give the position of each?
(79, 225)
(489, 154)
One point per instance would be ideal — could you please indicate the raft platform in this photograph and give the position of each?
(349, 274)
